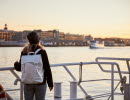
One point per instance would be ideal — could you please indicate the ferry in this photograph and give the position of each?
(96, 44)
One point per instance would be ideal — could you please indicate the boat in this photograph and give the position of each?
(96, 44)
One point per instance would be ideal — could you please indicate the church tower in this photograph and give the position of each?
(5, 28)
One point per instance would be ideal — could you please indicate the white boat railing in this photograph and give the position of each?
(99, 59)
(127, 60)
(64, 65)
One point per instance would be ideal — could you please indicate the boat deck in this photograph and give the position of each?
(100, 62)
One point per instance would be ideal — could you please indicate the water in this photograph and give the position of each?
(8, 55)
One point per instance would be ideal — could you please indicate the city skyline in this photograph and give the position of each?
(100, 18)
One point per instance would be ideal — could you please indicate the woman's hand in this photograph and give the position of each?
(50, 88)
(16, 63)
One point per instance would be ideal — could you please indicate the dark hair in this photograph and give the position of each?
(33, 37)
(31, 48)
(34, 43)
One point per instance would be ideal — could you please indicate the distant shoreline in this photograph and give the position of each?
(53, 46)
(42, 45)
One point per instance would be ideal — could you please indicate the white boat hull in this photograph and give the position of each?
(96, 45)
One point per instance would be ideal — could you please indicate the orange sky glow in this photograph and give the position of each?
(100, 18)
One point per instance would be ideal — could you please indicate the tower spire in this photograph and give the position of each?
(5, 28)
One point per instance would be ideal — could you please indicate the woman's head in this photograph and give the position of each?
(34, 42)
(33, 38)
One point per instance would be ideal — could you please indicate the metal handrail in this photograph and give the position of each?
(113, 58)
(69, 72)
(99, 63)
(112, 74)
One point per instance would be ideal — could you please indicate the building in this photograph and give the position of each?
(73, 37)
(47, 35)
(6, 35)
(18, 36)
(56, 35)
(61, 36)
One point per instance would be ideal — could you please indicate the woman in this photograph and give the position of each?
(38, 89)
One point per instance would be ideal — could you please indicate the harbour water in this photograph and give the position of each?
(8, 55)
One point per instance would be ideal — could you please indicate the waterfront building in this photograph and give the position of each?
(61, 36)
(114, 42)
(109, 43)
(5, 34)
(56, 35)
(73, 37)
(50, 37)
(47, 35)
(18, 36)
(87, 39)
(127, 42)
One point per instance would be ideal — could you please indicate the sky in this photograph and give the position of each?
(100, 18)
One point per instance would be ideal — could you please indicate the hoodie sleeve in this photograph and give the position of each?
(17, 65)
(47, 68)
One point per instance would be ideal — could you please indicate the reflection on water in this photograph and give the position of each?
(65, 54)
(8, 55)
